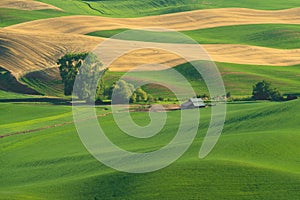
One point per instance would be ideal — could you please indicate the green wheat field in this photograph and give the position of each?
(257, 155)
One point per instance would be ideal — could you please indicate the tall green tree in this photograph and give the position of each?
(101, 92)
(89, 68)
(68, 67)
(88, 85)
(264, 91)
(141, 95)
(123, 92)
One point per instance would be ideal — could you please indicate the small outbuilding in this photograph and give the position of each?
(193, 103)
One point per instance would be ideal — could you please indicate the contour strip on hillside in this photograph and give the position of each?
(191, 20)
(24, 52)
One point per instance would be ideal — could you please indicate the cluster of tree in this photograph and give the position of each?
(86, 86)
(124, 92)
(68, 67)
(89, 87)
(216, 98)
(263, 90)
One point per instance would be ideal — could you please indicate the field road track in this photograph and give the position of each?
(46, 127)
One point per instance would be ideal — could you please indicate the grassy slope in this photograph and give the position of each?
(29, 118)
(11, 95)
(42, 115)
(45, 83)
(135, 8)
(10, 83)
(280, 36)
(14, 16)
(47, 87)
(132, 8)
(238, 79)
(251, 160)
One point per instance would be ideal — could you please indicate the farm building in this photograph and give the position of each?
(193, 103)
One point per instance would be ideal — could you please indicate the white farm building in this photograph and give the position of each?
(193, 103)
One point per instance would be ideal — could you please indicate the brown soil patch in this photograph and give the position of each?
(26, 5)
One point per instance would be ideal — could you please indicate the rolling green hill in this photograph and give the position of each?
(46, 82)
(10, 95)
(10, 16)
(42, 157)
(132, 8)
(256, 157)
(10, 83)
(238, 79)
(135, 8)
(281, 36)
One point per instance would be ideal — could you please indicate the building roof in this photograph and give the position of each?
(193, 103)
(197, 102)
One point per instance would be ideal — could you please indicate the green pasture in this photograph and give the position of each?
(238, 80)
(256, 157)
(280, 36)
(10, 16)
(136, 8)
(132, 8)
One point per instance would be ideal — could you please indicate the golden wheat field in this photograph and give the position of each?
(38, 44)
